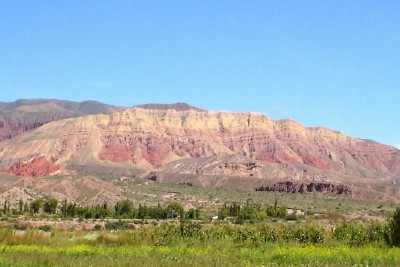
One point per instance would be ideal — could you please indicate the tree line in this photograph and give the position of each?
(123, 209)
(251, 211)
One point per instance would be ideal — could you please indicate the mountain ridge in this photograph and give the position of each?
(171, 124)
(205, 148)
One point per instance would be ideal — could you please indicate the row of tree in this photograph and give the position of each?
(122, 209)
(251, 211)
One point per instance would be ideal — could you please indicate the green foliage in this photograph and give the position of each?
(291, 217)
(268, 234)
(166, 234)
(97, 227)
(191, 243)
(277, 212)
(193, 214)
(309, 234)
(334, 216)
(118, 225)
(20, 205)
(175, 209)
(357, 233)
(46, 228)
(190, 229)
(36, 205)
(393, 230)
(124, 208)
(6, 207)
(251, 212)
(50, 206)
(112, 239)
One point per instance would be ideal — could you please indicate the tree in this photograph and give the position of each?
(36, 205)
(26, 207)
(175, 209)
(71, 209)
(393, 231)
(21, 205)
(124, 207)
(64, 208)
(6, 207)
(50, 206)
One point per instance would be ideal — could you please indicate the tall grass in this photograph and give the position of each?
(268, 255)
(193, 244)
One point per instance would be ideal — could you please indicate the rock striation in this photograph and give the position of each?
(204, 143)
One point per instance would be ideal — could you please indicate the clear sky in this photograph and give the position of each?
(322, 63)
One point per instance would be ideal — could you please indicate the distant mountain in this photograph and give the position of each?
(208, 148)
(176, 106)
(26, 114)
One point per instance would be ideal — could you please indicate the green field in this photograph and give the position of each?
(142, 255)
(175, 243)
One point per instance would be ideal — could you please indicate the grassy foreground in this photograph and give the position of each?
(197, 245)
(144, 255)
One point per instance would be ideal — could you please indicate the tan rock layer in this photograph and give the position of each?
(150, 139)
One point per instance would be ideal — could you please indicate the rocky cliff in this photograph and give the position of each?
(207, 143)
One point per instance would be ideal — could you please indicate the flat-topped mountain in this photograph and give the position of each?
(150, 139)
(203, 148)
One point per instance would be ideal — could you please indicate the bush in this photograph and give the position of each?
(117, 239)
(268, 234)
(309, 234)
(291, 217)
(20, 226)
(119, 225)
(190, 229)
(392, 236)
(46, 228)
(97, 227)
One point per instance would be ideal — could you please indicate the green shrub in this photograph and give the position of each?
(190, 229)
(46, 228)
(268, 234)
(20, 226)
(291, 217)
(117, 239)
(97, 227)
(119, 225)
(309, 234)
(393, 230)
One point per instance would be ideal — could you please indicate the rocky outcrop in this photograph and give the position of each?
(34, 167)
(291, 187)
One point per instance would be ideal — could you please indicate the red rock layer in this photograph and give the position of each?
(39, 166)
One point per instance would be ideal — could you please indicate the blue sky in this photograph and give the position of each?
(322, 63)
